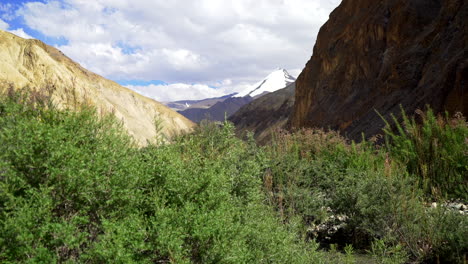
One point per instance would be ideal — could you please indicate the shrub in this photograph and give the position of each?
(318, 176)
(62, 173)
(435, 151)
(74, 188)
(383, 253)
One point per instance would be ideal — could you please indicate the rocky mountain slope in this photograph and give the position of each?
(265, 114)
(35, 65)
(226, 106)
(375, 55)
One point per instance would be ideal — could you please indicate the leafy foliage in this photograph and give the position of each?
(75, 188)
(317, 176)
(436, 152)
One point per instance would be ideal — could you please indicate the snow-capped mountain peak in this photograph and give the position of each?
(276, 80)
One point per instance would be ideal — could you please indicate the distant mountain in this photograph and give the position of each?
(35, 65)
(265, 114)
(276, 80)
(218, 112)
(228, 105)
(203, 104)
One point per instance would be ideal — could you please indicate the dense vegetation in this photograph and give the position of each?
(75, 188)
(386, 198)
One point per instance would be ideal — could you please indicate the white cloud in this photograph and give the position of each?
(183, 59)
(177, 91)
(20, 33)
(179, 41)
(183, 91)
(3, 25)
(295, 72)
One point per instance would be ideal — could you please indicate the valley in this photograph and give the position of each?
(363, 158)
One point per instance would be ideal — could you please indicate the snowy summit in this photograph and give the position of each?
(276, 80)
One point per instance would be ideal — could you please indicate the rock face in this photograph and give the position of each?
(377, 55)
(35, 65)
(265, 114)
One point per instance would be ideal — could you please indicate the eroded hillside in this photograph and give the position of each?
(37, 66)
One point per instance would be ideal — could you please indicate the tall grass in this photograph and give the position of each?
(434, 150)
(315, 176)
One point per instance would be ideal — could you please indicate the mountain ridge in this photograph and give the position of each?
(202, 103)
(276, 80)
(34, 64)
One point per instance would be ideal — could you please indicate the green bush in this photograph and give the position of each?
(435, 151)
(387, 254)
(314, 175)
(74, 188)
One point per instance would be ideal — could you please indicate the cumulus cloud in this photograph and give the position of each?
(179, 41)
(177, 91)
(183, 91)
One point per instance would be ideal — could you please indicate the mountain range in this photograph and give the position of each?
(203, 103)
(217, 109)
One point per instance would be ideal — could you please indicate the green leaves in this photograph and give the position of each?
(75, 189)
(318, 176)
(434, 151)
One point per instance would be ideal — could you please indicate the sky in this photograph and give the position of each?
(175, 49)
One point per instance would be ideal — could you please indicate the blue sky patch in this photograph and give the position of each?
(126, 49)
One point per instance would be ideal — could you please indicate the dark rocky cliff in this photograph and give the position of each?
(377, 55)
